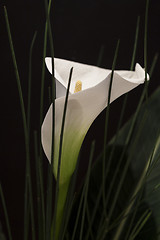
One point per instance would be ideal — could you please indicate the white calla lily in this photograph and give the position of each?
(83, 107)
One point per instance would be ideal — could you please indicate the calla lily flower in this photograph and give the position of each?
(87, 98)
(83, 106)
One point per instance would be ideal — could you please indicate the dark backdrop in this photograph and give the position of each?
(80, 29)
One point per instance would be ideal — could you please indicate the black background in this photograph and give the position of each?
(80, 29)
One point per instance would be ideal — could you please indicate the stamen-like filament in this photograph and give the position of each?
(78, 87)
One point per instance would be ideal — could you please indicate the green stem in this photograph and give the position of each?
(62, 195)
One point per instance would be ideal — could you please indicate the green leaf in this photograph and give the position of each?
(148, 144)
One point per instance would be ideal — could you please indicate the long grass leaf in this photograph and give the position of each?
(133, 212)
(106, 125)
(5, 213)
(39, 207)
(29, 83)
(28, 184)
(56, 225)
(100, 56)
(135, 44)
(95, 209)
(139, 225)
(66, 218)
(46, 226)
(86, 190)
(153, 64)
(88, 219)
(53, 96)
(78, 213)
(49, 202)
(145, 39)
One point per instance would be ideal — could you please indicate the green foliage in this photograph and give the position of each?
(120, 197)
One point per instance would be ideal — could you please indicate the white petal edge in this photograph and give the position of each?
(89, 75)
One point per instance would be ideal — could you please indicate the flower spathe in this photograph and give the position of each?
(83, 107)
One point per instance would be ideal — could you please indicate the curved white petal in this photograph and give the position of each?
(83, 107)
(89, 75)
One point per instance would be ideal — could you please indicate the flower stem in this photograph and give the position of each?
(62, 195)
